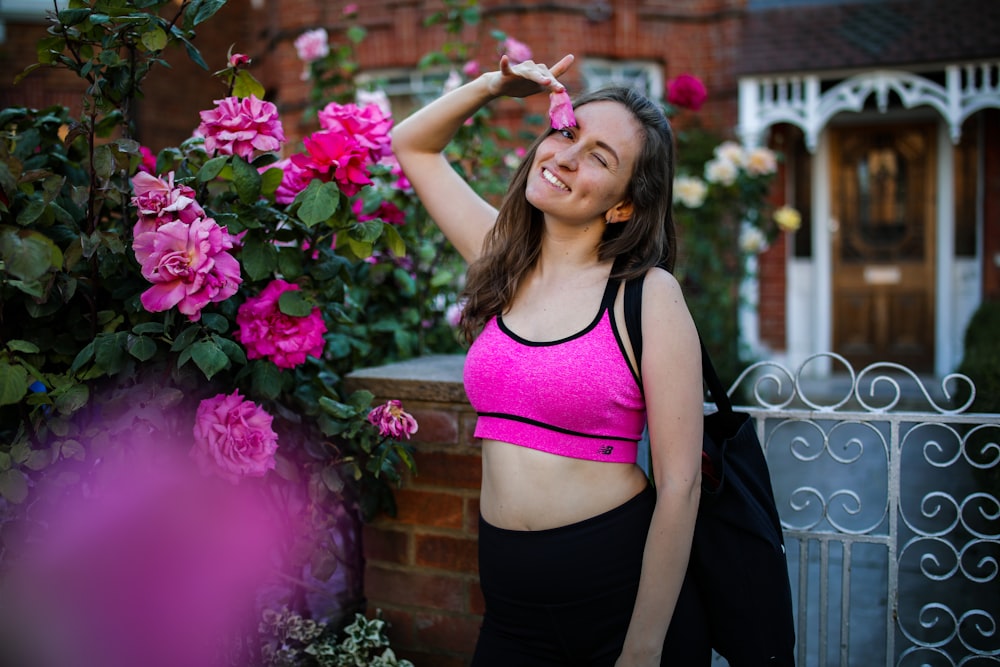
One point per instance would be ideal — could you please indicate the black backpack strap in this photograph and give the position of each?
(633, 325)
(633, 318)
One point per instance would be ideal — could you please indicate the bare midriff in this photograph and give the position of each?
(527, 489)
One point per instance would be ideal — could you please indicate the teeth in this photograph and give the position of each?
(548, 176)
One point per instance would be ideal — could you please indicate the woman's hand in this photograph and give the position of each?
(527, 78)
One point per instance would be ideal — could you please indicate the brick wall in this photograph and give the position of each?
(421, 566)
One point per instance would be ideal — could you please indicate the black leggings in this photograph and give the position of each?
(564, 596)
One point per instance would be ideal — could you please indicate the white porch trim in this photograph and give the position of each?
(800, 100)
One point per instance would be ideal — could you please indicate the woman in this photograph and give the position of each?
(581, 561)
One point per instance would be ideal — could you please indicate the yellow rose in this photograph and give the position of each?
(788, 218)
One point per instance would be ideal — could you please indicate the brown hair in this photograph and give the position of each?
(646, 240)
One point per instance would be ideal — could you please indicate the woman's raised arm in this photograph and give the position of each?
(419, 141)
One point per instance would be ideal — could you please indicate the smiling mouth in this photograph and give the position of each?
(550, 177)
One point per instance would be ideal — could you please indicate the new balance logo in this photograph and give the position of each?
(606, 450)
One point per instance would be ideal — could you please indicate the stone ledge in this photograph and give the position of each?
(432, 379)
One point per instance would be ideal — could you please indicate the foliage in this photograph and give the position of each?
(981, 359)
(721, 213)
(293, 641)
(86, 349)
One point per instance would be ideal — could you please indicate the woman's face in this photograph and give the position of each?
(581, 173)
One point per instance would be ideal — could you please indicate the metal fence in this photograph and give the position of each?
(888, 493)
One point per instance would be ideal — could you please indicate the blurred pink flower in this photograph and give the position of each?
(239, 60)
(351, 9)
(561, 110)
(189, 266)
(242, 127)
(336, 156)
(158, 201)
(392, 421)
(294, 180)
(687, 92)
(369, 126)
(312, 45)
(471, 69)
(386, 212)
(516, 51)
(148, 163)
(402, 182)
(233, 438)
(268, 333)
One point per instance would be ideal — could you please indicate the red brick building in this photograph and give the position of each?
(886, 110)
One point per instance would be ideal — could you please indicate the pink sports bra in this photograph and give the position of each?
(575, 397)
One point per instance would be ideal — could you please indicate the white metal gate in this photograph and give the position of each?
(888, 493)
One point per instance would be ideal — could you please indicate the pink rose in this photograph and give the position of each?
(336, 156)
(369, 126)
(148, 163)
(158, 202)
(392, 421)
(386, 212)
(239, 60)
(312, 45)
(471, 69)
(561, 110)
(243, 127)
(233, 438)
(351, 9)
(294, 180)
(516, 51)
(268, 333)
(687, 92)
(188, 265)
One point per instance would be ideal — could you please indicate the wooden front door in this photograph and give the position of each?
(883, 195)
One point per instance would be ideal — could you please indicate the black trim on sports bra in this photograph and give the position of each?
(558, 429)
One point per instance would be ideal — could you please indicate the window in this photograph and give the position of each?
(646, 77)
(25, 11)
(408, 90)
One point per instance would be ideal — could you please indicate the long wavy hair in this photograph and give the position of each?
(646, 240)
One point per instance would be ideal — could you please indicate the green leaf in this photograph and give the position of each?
(142, 348)
(72, 398)
(318, 202)
(13, 486)
(108, 353)
(270, 180)
(209, 357)
(13, 383)
(294, 303)
(210, 170)
(71, 17)
(232, 350)
(394, 240)
(266, 379)
(336, 409)
(246, 179)
(155, 39)
(185, 338)
(28, 254)
(201, 10)
(148, 328)
(104, 161)
(82, 357)
(361, 400)
(260, 258)
(245, 85)
(215, 322)
(18, 345)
